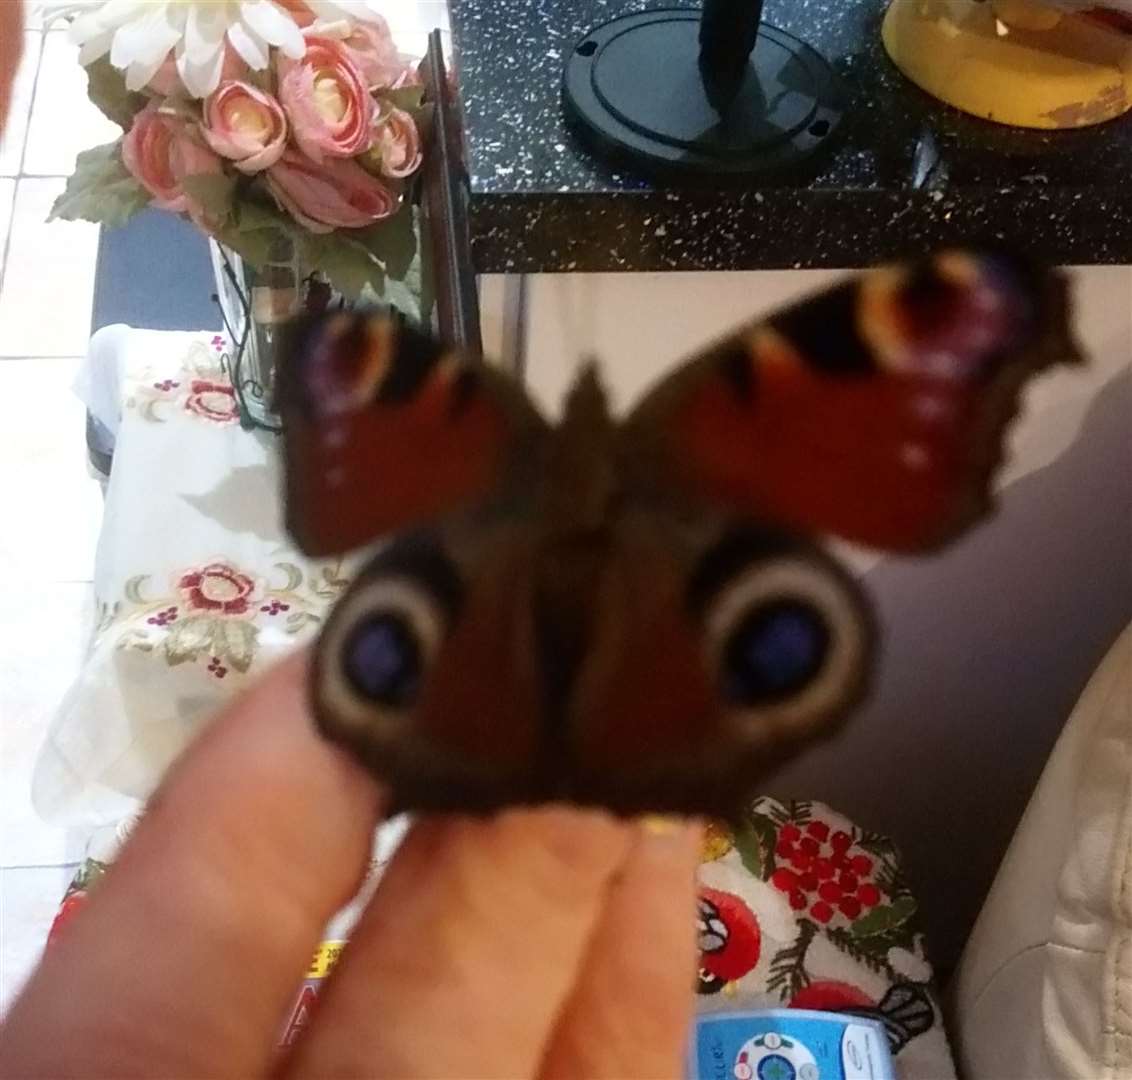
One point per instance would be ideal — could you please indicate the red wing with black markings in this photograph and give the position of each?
(385, 429)
(874, 411)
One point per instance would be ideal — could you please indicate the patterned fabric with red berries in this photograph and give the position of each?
(799, 907)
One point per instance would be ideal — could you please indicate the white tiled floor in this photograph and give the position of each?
(51, 507)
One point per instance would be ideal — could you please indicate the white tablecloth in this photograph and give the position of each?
(197, 586)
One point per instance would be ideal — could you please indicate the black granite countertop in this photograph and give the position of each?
(906, 172)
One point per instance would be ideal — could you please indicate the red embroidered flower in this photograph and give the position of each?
(217, 587)
(214, 401)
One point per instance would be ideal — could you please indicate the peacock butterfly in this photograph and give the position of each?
(637, 614)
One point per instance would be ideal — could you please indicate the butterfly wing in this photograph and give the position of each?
(874, 411)
(714, 655)
(427, 669)
(384, 428)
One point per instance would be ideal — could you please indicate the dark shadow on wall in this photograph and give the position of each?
(986, 649)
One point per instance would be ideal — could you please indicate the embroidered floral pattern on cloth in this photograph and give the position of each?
(197, 586)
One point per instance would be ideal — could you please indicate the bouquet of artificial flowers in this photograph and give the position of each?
(262, 120)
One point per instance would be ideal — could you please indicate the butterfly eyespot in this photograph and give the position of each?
(787, 642)
(378, 650)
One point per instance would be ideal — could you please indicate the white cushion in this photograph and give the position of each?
(1045, 985)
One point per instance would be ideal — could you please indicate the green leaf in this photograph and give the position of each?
(214, 192)
(235, 641)
(755, 837)
(101, 190)
(883, 920)
(409, 98)
(394, 241)
(106, 87)
(348, 265)
(189, 638)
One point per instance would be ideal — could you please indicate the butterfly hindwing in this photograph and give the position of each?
(713, 656)
(874, 411)
(384, 429)
(427, 670)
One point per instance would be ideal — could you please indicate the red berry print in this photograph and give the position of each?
(869, 895)
(802, 861)
(822, 911)
(823, 872)
(784, 880)
(830, 891)
(850, 907)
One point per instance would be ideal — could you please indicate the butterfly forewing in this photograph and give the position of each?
(384, 429)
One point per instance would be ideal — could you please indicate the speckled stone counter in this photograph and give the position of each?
(905, 173)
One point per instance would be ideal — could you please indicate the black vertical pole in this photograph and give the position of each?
(728, 32)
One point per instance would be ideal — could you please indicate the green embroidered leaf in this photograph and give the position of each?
(133, 589)
(755, 838)
(788, 974)
(883, 920)
(106, 87)
(235, 640)
(294, 576)
(393, 241)
(188, 639)
(100, 189)
(870, 952)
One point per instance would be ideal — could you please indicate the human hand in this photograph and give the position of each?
(551, 942)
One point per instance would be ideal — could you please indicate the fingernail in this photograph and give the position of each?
(659, 830)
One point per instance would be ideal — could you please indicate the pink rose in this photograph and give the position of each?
(327, 101)
(396, 150)
(160, 150)
(372, 49)
(336, 194)
(245, 125)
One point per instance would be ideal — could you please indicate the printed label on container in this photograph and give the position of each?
(788, 1044)
(325, 957)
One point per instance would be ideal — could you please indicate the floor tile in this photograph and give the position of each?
(44, 628)
(52, 507)
(29, 898)
(48, 285)
(7, 196)
(63, 120)
(12, 142)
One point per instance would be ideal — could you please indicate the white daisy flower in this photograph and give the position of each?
(139, 35)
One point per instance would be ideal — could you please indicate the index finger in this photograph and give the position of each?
(189, 952)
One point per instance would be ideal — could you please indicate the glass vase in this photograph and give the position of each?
(255, 303)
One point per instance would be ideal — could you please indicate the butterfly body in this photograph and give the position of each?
(632, 614)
